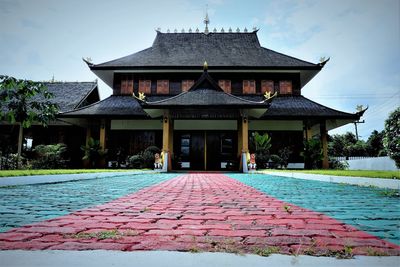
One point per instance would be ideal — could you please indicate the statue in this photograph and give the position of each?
(157, 162)
(252, 162)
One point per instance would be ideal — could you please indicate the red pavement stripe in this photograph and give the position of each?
(199, 211)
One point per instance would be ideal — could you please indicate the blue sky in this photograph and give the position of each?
(42, 38)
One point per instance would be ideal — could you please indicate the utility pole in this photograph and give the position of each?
(355, 125)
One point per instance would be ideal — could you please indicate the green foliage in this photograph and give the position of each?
(25, 172)
(144, 159)
(148, 156)
(50, 157)
(260, 144)
(338, 165)
(136, 161)
(391, 140)
(19, 103)
(356, 173)
(276, 161)
(312, 154)
(284, 154)
(12, 161)
(93, 152)
(375, 144)
(267, 251)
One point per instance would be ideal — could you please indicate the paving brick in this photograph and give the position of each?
(148, 226)
(206, 227)
(176, 232)
(19, 236)
(237, 233)
(204, 217)
(31, 245)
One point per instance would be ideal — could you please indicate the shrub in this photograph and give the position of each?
(93, 152)
(284, 154)
(148, 156)
(136, 161)
(312, 154)
(276, 161)
(12, 162)
(50, 157)
(338, 165)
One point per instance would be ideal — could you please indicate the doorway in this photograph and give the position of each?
(205, 150)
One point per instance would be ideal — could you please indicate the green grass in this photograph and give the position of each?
(9, 173)
(358, 173)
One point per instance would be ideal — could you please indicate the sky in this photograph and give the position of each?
(41, 39)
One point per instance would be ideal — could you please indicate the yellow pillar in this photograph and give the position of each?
(324, 141)
(167, 148)
(240, 143)
(103, 134)
(243, 141)
(245, 135)
(102, 141)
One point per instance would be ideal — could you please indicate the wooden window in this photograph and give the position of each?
(249, 87)
(162, 87)
(186, 84)
(225, 85)
(285, 87)
(126, 87)
(267, 86)
(145, 86)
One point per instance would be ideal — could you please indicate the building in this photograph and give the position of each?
(199, 96)
(68, 96)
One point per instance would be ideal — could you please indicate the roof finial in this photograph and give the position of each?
(206, 21)
(205, 66)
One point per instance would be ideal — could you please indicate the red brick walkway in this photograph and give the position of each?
(198, 212)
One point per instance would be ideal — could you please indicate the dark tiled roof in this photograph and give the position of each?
(218, 49)
(109, 107)
(299, 106)
(69, 95)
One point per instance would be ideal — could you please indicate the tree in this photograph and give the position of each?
(375, 143)
(391, 140)
(25, 102)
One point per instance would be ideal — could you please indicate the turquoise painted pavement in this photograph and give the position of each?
(373, 210)
(25, 204)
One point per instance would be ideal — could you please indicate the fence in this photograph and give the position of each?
(370, 163)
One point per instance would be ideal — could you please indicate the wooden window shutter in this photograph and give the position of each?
(285, 87)
(126, 87)
(145, 86)
(249, 87)
(225, 85)
(267, 86)
(162, 87)
(186, 84)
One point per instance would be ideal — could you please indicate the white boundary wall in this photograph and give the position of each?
(379, 163)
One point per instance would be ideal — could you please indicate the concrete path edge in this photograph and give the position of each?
(362, 181)
(56, 178)
(100, 258)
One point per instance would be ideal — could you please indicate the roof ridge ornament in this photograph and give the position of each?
(205, 66)
(206, 21)
(268, 95)
(141, 96)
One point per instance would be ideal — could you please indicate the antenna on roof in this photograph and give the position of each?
(206, 21)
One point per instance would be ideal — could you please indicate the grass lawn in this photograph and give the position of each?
(358, 173)
(8, 173)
